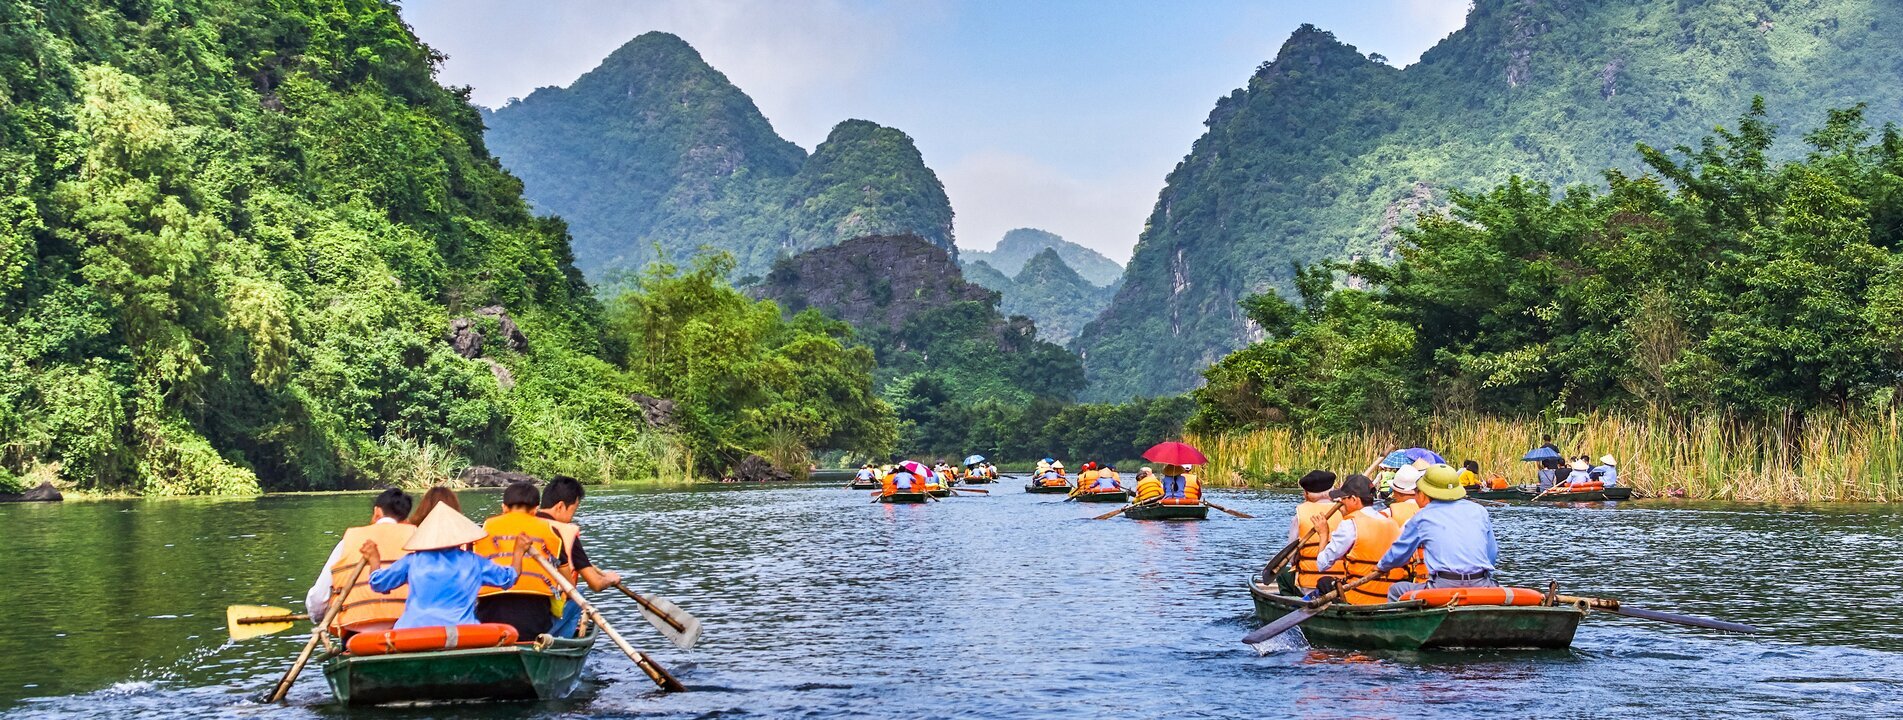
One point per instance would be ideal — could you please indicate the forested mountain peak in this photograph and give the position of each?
(1019, 245)
(655, 147)
(1049, 267)
(1326, 154)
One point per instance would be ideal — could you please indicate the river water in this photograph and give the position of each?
(819, 604)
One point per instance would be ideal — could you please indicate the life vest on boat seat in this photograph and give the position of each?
(1442, 597)
(1309, 548)
(499, 546)
(1149, 488)
(362, 607)
(1497, 482)
(1586, 486)
(425, 639)
(1374, 533)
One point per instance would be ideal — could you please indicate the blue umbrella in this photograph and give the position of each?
(1541, 453)
(1397, 459)
(1424, 454)
(974, 460)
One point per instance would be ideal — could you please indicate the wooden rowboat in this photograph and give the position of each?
(864, 485)
(529, 671)
(1611, 493)
(939, 491)
(1111, 496)
(1506, 494)
(1413, 626)
(1168, 512)
(903, 497)
(1047, 489)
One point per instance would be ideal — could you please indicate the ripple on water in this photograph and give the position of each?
(819, 604)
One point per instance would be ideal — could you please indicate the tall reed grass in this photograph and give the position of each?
(1819, 457)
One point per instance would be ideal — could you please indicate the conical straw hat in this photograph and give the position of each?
(444, 528)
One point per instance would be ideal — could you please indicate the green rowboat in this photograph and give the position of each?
(903, 497)
(543, 671)
(1116, 496)
(940, 492)
(864, 485)
(1047, 489)
(1412, 626)
(1507, 494)
(1167, 512)
(1611, 493)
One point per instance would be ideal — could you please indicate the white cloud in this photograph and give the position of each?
(1437, 19)
(994, 192)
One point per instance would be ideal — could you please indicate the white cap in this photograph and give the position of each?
(1406, 479)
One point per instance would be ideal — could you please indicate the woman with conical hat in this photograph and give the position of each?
(443, 574)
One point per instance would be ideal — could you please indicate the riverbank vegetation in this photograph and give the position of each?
(1727, 325)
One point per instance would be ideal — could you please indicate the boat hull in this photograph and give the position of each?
(1047, 489)
(1507, 494)
(874, 485)
(940, 492)
(510, 673)
(1613, 494)
(903, 498)
(1103, 497)
(1168, 512)
(1409, 626)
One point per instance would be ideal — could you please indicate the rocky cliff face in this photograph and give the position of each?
(875, 283)
(1326, 154)
(656, 148)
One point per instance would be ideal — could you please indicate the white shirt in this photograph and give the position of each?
(317, 599)
(1340, 542)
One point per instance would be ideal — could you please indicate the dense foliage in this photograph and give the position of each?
(745, 379)
(1325, 153)
(1017, 247)
(234, 237)
(655, 155)
(1723, 281)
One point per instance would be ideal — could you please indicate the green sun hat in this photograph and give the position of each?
(1442, 482)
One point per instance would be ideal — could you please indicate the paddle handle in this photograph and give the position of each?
(1236, 513)
(652, 669)
(671, 622)
(330, 613)
(273, 619)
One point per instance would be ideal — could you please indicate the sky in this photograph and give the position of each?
(1055, 114)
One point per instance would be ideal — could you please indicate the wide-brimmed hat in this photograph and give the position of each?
(444, 528)
(1442, 482)
(1581, 465)
(1609, 460)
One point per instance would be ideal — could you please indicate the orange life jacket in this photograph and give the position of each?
(362, 607)
(1400, 513)
(1374, 534)
(1311, 542)
(1496, 483)
(499, 546)
(1149, 488)
(1192, 487)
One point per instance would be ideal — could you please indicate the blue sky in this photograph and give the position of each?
(1061, 115)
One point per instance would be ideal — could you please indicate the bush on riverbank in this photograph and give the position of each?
(1734, 324)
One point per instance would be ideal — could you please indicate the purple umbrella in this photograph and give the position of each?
(1425, 455)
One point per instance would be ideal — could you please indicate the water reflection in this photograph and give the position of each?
(820, 603)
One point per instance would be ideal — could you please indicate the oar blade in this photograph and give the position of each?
(656, 607)
(1259, 639)
(1683, 619)
(244, 622)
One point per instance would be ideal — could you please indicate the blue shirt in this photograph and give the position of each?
(1608, 475)
(1175, 486)
(443, 585)
(1452, 536)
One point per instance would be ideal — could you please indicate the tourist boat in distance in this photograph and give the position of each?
(524, 671)
(938, 491)
(1593, 495)
(1197, 511)
(1033, 487)
(1102, 496)
(1510, 493)
(858, 484)
(1411, 625)
(903, 498)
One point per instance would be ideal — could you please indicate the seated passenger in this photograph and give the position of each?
(1608, 471)
(1176, 483)
(364, 608)
(531, 604)
(1148, 486)
(443, 577)
(1361, 541)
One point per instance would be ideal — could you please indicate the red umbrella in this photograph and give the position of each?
(1175, 453)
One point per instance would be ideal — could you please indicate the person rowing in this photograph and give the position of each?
(363, 607)
(1454, 537)
(1359, 544)
(560, 500)
(1315, 521)
(442, 575)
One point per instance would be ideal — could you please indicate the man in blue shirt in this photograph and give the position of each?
(1455, 538)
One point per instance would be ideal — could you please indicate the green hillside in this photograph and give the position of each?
(1326, 154)
(1049, 292)
(655, 148)
(1020, 245)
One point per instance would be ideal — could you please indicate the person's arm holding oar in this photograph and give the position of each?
(290, 676)
(648, 666)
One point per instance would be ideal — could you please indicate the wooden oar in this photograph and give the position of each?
(678, 626)
(1289, 621)
(1613, 606)
(969, 490)
(1119, 511)
(330, 613)
(1236, 513)
(244, 622)
(648, 666)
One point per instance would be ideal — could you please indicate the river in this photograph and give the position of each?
(819, 604)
